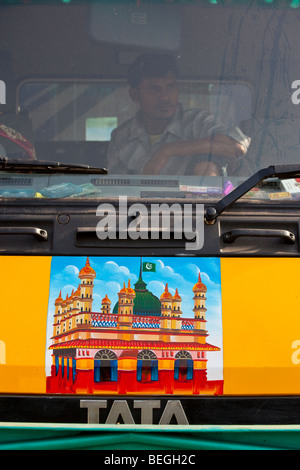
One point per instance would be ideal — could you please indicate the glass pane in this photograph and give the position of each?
(95, 83)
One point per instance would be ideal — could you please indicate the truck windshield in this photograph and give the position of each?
(183, 99)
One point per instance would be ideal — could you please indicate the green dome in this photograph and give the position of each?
(144, 303)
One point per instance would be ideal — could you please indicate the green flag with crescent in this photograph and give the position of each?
(149, 267)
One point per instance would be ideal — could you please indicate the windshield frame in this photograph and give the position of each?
(124, 54)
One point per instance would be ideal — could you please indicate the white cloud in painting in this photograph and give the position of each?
(204, 276)
(168, 272)
(71, 269)
(114, 267)
(158, 287)
(115, 272)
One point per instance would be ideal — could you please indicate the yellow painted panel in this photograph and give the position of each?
(260, 315)
(261, 325)
(20, 379)
(127, 364)
(24, 284)
(199, 365)
(166, 364)
(84, 364)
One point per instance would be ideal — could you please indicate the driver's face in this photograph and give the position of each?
(157, 97)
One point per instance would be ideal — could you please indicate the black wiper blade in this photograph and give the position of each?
(44, 166)
(279, 171)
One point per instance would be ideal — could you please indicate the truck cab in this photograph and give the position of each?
(149, 265)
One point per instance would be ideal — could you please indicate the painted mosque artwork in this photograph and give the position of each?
(139, 344)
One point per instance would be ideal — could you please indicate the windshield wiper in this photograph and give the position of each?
(44, 166)
(279, 171)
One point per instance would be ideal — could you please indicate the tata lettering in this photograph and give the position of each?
(120, 409)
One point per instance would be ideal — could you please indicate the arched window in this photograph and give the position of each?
(184, 366)
(105, 366)
(147, 366)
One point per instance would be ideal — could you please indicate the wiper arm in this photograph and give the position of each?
(280, 171)
(44, 166)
